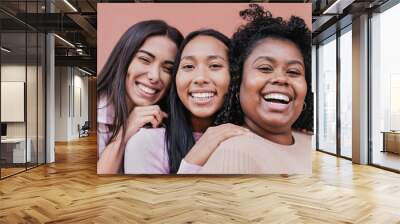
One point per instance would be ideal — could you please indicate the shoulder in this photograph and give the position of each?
(302, 138)
(239, 145)
(242, 141)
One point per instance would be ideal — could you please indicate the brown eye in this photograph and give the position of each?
(215, 66)
(294, 73)
(265, 69)
(187, 67)
(167, 70)
(144, 60)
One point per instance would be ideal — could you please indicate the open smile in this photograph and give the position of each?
(277, 101)
(147, 90)
(202, 97)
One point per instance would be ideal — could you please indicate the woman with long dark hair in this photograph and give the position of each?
(133, 81)
(271, 64)
(201, 81)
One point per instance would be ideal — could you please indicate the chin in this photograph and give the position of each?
(142, 102)
(203, 114)
(278, 123)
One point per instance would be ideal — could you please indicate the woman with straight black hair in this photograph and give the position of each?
(201, 81)
(133, 81)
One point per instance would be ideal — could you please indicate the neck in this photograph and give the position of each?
(200, 124)
(283, 137)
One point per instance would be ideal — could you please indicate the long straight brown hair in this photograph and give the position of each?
(111, 79)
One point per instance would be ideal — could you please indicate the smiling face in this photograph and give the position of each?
(149, 73)
(202, 79)
(273, 86)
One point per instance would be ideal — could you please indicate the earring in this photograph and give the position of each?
(304, 106)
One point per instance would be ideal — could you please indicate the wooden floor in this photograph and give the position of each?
(70, 191)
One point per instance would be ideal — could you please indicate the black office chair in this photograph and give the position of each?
(84, 130)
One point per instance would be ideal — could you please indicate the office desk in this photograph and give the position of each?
(391, 141)
(13, 150)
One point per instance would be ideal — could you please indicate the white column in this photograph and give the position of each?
(360, 90)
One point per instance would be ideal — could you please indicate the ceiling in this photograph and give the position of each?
(76, 22)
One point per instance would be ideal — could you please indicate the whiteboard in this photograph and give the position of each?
(12, 101)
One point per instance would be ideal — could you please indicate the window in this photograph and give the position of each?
(385, 89)
(327, 95)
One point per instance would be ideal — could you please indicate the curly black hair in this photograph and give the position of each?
(261, 24)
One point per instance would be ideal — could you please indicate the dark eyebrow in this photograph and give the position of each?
(169, 62)
(210, 57)
(291, 62)
(146, 52)
(187, 58)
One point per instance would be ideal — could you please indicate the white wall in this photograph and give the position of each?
(70, 83)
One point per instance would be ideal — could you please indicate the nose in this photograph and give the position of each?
(280, 78)
(154, 74)
(201, 76)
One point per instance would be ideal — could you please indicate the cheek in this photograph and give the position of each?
(252, 84)
(301, 89)
(166, 80)
(181, 84)
(222, 81)
(129, 80)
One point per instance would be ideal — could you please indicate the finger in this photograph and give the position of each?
(229, 133)
(149, 111)
(230, 126)
(159, 115)
(165, 115)
(147, 108)
(148, 119)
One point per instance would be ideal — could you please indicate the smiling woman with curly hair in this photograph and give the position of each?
(270, 94)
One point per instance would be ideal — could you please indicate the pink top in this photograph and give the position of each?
(105, 117)
(252, 154)
(146, 153)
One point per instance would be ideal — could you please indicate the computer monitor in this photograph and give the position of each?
(3, 129)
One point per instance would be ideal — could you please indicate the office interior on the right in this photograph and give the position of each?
(357, 82)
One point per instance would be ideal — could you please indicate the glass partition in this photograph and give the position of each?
(22, 77)
(13, 103)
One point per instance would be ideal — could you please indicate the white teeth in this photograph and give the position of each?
(203, 95)
(276, 96)
(146, 89)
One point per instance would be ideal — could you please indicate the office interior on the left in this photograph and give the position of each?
(22, 107)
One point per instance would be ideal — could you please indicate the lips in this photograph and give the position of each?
(147, 90)
(277, 102)
(202, 96)
(277, 98)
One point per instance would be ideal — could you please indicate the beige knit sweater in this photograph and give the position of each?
(252, 154)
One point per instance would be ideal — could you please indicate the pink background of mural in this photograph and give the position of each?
(115, 18)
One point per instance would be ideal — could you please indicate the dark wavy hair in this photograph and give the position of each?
(261, 24)
(179, 133)
(111, 79)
